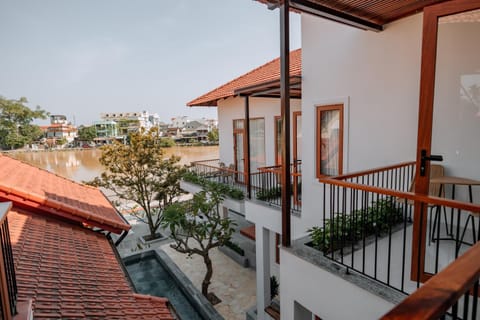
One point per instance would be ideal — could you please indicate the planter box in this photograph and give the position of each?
(241, 260)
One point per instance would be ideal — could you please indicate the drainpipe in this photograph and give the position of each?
(285, 115)
(124, 233)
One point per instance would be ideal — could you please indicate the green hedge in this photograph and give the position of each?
(225, 189)
(345, 229)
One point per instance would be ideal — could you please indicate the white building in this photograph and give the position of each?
(386, 98)
(132, 121)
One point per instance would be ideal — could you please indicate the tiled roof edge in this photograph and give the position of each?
(197, 100)
(63, 207)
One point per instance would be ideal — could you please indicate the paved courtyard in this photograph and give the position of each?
(232, 283)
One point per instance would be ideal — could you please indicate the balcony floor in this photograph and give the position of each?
(400, 262)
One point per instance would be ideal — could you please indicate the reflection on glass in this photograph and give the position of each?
(257, 144)
(330, 142)
(456, 115)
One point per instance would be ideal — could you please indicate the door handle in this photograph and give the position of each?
(424, 158)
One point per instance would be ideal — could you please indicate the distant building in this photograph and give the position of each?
(129, 122)
(182, 128)
(58, 129)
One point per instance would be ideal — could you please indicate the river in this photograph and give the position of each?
(83, 165)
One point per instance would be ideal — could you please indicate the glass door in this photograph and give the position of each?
(239, 147)
(449, 126)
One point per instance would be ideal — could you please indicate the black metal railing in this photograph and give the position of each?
(396, 177)
(451, 294)
(266, 185)
(8, 288)
(369, 228)
(216, 171)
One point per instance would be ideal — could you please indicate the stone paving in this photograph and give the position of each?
(232, 283)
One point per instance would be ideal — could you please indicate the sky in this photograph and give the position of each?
(80, 58)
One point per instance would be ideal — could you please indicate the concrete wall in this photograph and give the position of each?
(322, 293)
(234, 108)
(376, 76)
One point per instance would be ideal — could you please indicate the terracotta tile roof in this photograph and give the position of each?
(32, 187)
(265, 73)
(72, 272)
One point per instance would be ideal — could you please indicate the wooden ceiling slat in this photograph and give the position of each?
(378, 12)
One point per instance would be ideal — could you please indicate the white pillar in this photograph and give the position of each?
(262, 242)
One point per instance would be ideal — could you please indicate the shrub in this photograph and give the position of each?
(345, 229)
(235, 247)
(269, 194)
(225, 189)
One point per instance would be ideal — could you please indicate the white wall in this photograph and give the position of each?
(377, 76)
(234, 108)
(326, 295)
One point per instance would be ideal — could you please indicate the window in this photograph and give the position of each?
(257, 143)
(278, 140)
(329, 140)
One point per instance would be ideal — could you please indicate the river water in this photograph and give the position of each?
(83, 165)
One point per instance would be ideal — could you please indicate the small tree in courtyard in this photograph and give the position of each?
(197, 227)
(140, 173)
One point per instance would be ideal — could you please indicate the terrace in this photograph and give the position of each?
(374, 226)
(263, 185)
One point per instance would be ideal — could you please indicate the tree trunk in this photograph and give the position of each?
(208, 275)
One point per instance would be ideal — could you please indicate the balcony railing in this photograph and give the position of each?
(8, 283)
(452, 293)
(368, 227)
(216, 171)
(265, 184)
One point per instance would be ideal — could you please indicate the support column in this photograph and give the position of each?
(262, 240)
(285, 115)
(247, 154)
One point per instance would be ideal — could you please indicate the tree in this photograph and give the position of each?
(16, 128)
(139, 172)
(197, 227)
(87, 133)
(213, 135)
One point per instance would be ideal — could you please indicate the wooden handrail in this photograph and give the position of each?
(200, 161)
(442, 291)
(374, 170)
(405, 195)
(4, 293)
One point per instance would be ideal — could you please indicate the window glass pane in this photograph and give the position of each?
(257, 144)
(238, 124)
(278, 141)
(329, 135)
(299, 137)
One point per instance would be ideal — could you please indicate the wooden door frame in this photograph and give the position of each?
(242, 131)
(296, 114)
(275, 120)
(431, 15)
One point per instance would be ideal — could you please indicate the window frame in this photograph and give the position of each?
(318, 113)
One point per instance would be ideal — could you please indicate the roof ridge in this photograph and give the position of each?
(241, 76)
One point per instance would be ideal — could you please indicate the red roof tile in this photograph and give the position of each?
(265, 73)
(72, 272)
(39, 189)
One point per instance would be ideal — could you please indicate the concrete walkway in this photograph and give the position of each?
(232, 283)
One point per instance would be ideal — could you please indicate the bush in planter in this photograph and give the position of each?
(235, 247)
(274, 285)
(269, 194)
(225, 189)
(345, 229)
